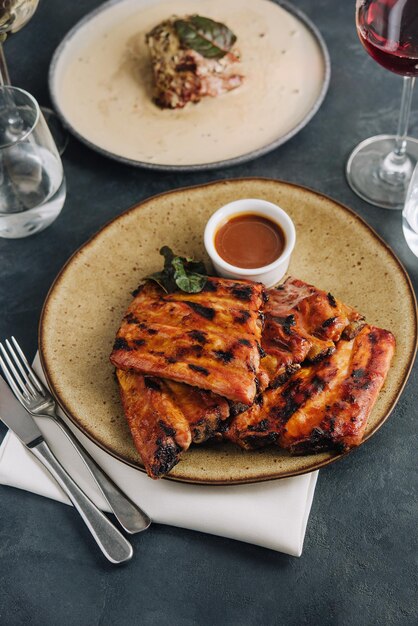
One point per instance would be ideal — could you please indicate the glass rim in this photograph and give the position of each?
(33, 101)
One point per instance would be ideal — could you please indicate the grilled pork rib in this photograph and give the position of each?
(210, 339)
(182, 75)
(323, 406)
(320, 366)
(159, 429)
(203, 410)
(165, 417)
(302, 323)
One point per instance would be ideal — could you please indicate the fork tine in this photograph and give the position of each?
(33, 376)
(12, 370)
(29, 387)
(25, 372)
(19, 395)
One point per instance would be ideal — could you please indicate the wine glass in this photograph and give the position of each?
(14, 15)
(380, 168)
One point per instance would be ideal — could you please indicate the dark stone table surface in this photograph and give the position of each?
(359, 564)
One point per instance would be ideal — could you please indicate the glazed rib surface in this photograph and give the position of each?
(294, 368)
(210, 340)
(166, 417)
(302, 323)
(323, 406)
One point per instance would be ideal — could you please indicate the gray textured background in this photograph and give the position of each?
(359, 564)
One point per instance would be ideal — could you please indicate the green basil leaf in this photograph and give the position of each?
(191, 283)
(180, 273)
(211, 39)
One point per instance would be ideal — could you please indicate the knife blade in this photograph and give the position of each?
(111, 542)
(17, 418)
(131, 517)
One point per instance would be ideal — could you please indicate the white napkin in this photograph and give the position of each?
(272, 514)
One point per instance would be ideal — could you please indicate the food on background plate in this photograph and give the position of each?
(189, 368)
(192, 57)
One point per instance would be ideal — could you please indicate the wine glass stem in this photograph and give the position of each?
(4, 72)
(396, 168)
(408, 87)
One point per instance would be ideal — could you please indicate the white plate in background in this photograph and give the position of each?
(100, 82)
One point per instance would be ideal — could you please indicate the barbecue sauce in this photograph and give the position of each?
(249, 241)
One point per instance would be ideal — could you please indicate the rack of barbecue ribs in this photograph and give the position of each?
(292, 367)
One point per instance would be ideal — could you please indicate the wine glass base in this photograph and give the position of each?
(363, 168)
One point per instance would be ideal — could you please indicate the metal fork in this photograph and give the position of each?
(37, 400)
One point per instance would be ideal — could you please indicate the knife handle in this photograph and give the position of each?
(130, 516)
(111, 542)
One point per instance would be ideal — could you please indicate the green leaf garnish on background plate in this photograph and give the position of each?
(211, 39)
(180, 273)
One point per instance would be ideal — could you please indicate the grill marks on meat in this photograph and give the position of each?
(159, 429)
(165, 417)
(303, 323)
(203, 410)
(209, 339)
(306, 383)
(183, 75)
(324, 406)
(263, 423)
(340, 421)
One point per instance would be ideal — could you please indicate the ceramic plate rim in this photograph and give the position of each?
(273, 476)
(249, 156)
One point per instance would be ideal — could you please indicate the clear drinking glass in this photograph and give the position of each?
(32, 183)
(410, 214)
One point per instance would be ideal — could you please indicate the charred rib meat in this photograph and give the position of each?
(324, 406)
(192, 366)
(208, 339)
(302, 323)
(165, 417)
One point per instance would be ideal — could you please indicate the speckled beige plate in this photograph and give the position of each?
(335, 250)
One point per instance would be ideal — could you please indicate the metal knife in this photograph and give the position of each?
(111, 542)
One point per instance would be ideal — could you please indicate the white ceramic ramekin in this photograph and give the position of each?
(269, 274)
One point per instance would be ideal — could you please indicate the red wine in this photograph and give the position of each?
(388, 29)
